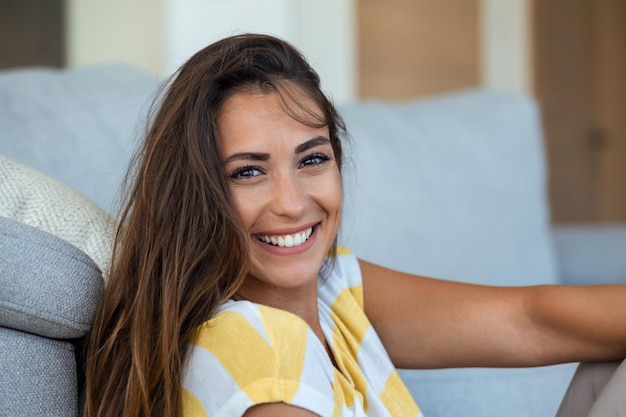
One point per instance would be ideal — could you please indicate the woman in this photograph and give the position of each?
(228, 293)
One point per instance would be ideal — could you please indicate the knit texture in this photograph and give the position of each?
(30, 197)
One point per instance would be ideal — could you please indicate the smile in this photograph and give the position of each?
(287, 241)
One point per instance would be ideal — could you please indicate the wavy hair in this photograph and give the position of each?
(180, 249)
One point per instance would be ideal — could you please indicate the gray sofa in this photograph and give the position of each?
(450, 186)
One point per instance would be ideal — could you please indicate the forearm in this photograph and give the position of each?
(578, 323)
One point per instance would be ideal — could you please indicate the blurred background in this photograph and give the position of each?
(570, 55)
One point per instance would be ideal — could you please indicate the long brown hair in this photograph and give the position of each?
(180, 249)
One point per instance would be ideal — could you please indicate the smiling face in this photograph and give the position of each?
(286, 188)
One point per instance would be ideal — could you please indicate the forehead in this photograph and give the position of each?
(252, 116)
(292, 98)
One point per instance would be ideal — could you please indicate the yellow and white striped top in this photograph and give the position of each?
(250, 354)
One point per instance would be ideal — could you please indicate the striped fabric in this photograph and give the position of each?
(251, 354)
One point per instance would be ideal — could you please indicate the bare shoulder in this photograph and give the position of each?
(391, 295)
(385, 288)
(278, 410)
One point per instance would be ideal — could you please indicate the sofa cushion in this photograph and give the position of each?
(75, 125)
(591, 254)
(512, 392)
(451, 187)
(30, 197)
(49, 287)
(38, 376)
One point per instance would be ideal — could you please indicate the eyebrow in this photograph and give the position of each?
(249, 156)
(260, 156)
(312, 143)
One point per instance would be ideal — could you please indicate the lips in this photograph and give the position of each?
(288, 240)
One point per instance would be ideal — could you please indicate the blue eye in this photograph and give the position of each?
(246, 172)
(315, 159)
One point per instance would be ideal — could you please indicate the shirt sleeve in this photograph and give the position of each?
(250, 354)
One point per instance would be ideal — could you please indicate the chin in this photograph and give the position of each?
(288, 271)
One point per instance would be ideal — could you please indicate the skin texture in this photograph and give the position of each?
(430, 323)
(283, 180)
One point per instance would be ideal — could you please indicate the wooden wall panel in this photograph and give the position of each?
(610, 104)
(409, 48)
(563, 75)
(32, 33)
(580, 62)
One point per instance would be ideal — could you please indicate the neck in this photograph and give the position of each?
(300, 301)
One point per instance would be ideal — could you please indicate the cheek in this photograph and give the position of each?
(331, 194)
(244, 205)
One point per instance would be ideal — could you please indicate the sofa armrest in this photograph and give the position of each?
(591, 254)
(48, 286)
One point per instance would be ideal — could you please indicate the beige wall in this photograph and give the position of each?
(159, 35)
(150, 35)
(506, 57)
(121, 31)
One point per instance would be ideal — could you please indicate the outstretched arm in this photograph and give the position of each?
(429, 323)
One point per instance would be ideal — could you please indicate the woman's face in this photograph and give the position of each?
(286, 187)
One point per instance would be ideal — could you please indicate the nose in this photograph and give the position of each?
(288, 196)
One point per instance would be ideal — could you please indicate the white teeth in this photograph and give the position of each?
(288, 241)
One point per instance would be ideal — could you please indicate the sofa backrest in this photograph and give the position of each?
(78, 126)
(452, 187)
